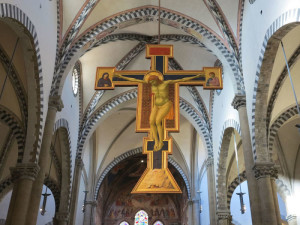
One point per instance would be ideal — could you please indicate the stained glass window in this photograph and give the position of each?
(124, 223)
(75, 78)
(141, 218)
(158, 223)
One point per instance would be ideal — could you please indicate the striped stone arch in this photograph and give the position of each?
(11, 11)
(54, 187)
(17, 85)
(13, 122)
(132, 94)
(5, 186)
(132, 153)
(141, 15)
(221, 178)
(67, 164)
(233, 186)
(279, 121)
(278, 29)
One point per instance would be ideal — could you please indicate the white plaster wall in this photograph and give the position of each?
(4, 204)
(255, 26)
(70, 112)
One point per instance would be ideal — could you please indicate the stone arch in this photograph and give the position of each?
(228, 128)
(278, 29)
(13, 12)
(233, 186)
(62, 127)
(12, 121)
(129, 95)
(54, 187)
(131, 153)
(278, 122)
(5, 186)
(72, 50)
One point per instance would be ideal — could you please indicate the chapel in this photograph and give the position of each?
(82, 122)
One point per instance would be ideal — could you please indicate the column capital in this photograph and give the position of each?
(224, 215)
(25, 171)
(55, 102)
(79, 163)
(238, 101)
(62, 216)
(209, 162)
(93, 203)
(265, 169)
(291, 218)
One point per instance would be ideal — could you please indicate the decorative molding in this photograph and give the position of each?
(263, 170)
(62, 216)
(25, 171)
(291, 218)
(13, 122)
(238, 101)
(209, 162)
(224, 215)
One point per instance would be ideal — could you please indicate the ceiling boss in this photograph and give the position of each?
(158, 109)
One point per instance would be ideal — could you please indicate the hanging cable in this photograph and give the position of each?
(240, 194)
(9, 68)
(45, 195)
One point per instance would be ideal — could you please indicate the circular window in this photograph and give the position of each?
(75, 77)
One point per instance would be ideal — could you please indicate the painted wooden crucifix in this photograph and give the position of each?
(158, 109)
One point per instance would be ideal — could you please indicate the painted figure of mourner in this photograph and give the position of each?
(104, 81)
(162, 103)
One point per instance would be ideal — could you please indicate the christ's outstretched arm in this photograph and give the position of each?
(130, 79)
(184, 79)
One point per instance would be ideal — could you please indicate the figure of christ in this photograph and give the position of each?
(162, 103)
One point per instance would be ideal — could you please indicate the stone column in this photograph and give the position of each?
(54, 105)
(196, 211)
(264, 173)
(224, 217)
(75, 189)
(89, 212)
(211, 190)
(239, 103)
(24, 176)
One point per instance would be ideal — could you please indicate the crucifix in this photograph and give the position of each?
(158, 109)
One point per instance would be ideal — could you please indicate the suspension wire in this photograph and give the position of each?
(9, 67)
(290, 76)
(237, 162)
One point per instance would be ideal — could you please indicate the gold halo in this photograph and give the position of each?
(155, 73)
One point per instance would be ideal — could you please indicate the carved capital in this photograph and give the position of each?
(93, 203)
(78, 163)
(25, 171)
(224, 215)
(262, 170)
(239, 101)
(291, 218)
(209, 162)
(55, 102)
(62, 216)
